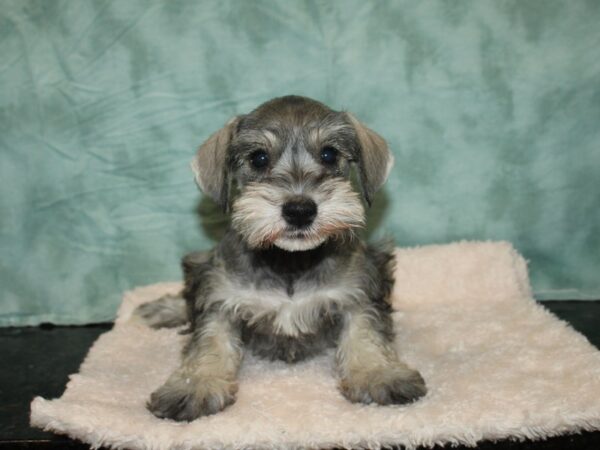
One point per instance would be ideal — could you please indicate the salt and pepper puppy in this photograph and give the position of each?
(290, 278)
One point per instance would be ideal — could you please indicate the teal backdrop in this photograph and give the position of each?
(492, 109)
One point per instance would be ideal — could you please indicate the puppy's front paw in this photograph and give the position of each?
(390, 386)
(186, 399)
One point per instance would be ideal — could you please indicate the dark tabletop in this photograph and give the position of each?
(38, 361)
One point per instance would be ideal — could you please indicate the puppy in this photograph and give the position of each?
(290, 278)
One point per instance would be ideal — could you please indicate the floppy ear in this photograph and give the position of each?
(210, 165)
(374, 159)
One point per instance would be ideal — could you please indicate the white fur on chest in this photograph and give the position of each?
(292, 315)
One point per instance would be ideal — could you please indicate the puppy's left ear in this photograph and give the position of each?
(374, 159)
(211, 163)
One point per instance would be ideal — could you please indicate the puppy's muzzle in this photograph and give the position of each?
(299, 211)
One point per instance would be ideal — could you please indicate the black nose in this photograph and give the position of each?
(299, 212)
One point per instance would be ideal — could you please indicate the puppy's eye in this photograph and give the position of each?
(329, 155)
(259, 159)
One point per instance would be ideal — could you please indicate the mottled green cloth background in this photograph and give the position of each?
(492, 109)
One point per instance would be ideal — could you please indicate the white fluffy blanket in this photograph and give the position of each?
(496, 363)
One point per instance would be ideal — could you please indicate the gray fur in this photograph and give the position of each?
(166, 312)
(287, 290)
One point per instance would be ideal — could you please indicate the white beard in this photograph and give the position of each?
(299, 244)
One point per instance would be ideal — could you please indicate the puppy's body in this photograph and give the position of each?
(289, 308)
(290, 278)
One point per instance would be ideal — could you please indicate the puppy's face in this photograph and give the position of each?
(291, 159)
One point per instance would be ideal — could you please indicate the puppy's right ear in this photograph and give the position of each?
(210, 165)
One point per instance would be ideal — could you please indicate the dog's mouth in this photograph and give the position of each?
(295, 234)
(298, 240)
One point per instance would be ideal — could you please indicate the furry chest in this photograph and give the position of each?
(274, 311)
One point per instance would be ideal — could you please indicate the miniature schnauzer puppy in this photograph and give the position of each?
(290, 278)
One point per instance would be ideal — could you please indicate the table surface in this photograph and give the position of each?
(38, 361)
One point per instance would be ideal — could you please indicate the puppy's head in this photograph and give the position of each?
(290, 159)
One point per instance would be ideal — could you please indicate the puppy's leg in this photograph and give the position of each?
(172, 311)
(168, 311)
(205, 383)
(369, 366)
